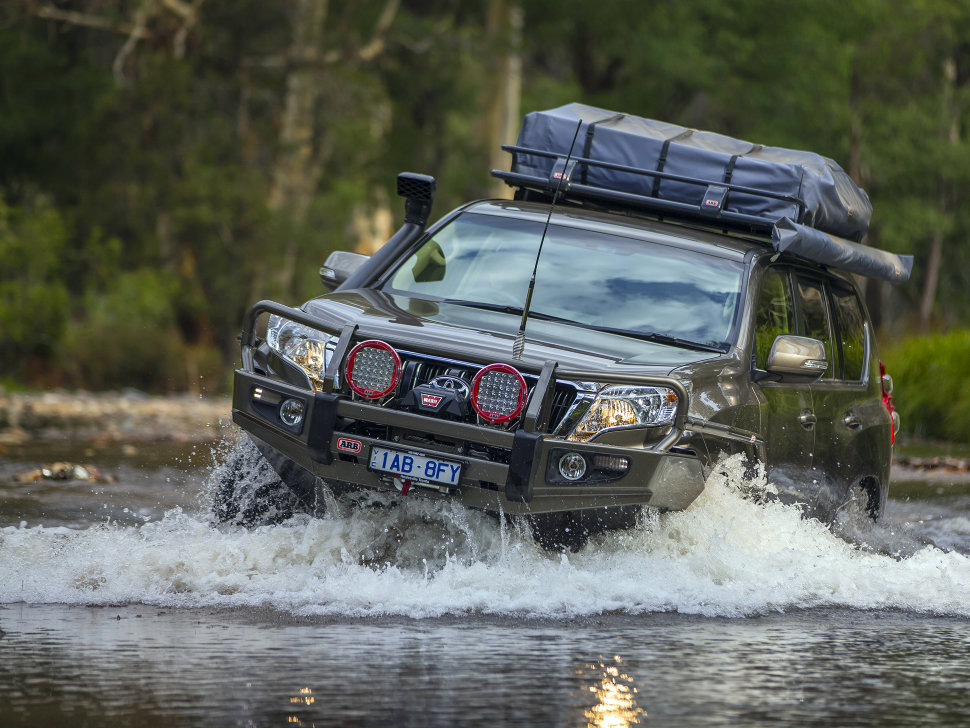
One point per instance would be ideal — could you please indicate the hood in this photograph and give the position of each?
(476, 335)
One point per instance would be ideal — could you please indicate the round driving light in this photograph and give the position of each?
(291, 412)
(373, 369)
(572, 466)
(498, 393)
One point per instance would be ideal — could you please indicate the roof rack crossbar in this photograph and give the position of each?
(672, 205)
(652, 173)
(632, 200)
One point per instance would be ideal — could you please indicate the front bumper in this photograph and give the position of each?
(517, 483)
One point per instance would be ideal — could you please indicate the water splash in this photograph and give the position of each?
(734, 552)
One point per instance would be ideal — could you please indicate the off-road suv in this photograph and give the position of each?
(660, 336)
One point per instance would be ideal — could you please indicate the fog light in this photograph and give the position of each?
(572, 466)
(291, 412)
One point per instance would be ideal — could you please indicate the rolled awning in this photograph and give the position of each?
(819, 247)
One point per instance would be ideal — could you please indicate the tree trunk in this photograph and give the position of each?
(295, 173)
(869, 286)
(372, 222)
(952, 121)
(504, 28)
(932, 280)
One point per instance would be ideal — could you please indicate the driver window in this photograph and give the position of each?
(813, 317)
(775, 314)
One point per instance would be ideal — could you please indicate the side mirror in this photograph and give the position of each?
(340, 264)
(797, 355)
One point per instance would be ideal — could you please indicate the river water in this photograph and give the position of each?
(121, 604)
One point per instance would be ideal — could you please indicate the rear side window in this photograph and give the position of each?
(851, 324)
(813, 319)
(775, 316)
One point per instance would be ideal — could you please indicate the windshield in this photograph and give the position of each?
(592, 278)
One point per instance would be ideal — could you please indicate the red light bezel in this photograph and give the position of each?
(494, 416)
(395, 377)
(887, 399)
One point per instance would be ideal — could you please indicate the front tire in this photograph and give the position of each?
(251, 492)
(570, 530)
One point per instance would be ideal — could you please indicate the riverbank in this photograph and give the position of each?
(133, 416)
(130, 416)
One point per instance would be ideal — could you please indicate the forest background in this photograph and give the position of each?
(166, 163)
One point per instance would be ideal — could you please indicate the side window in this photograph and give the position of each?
(813, 318)
(851, 324)
(775, 314)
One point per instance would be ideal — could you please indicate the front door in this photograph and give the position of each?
(787, 411)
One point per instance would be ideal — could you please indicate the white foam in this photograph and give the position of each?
(726, 555)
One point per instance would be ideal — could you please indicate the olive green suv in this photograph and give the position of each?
(565, 361)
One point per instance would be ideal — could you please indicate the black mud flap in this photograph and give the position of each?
(523, 465)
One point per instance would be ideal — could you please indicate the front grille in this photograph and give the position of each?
(562, 400)
(418, 369)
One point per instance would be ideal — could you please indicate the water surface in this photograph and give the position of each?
(124, 605)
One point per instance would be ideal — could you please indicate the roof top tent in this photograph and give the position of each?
(804, 201)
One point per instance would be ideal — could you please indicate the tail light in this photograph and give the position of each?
(886, 383)
(498, 393)
(373, 369)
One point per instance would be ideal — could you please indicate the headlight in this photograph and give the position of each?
(308, 348)
(626, 406)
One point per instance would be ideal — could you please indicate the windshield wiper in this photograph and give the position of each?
(500, 307)
(670, 340)
(632, 333)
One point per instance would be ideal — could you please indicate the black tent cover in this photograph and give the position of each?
(823, 218)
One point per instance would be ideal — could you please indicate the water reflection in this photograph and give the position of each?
(615, 694)
(303, 699)
(137, 665)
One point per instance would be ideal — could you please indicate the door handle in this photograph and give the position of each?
(807, 420)
(851, 422)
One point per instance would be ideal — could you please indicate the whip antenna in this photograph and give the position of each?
(518, 346)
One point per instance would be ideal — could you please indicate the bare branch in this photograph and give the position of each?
(369, 52)
(443, 27)
(87, 20)
(376, 45)
(190, 18)
(144, 12)
(377, 42)
(182, 9)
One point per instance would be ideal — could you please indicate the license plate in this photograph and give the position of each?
(411, 466)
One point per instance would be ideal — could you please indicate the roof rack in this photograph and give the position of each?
(711, 209)
(785, 235)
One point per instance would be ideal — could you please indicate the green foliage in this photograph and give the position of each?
(129, 337)
(47, 92)
(136, 193)
(932, 390)
(33, 299)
